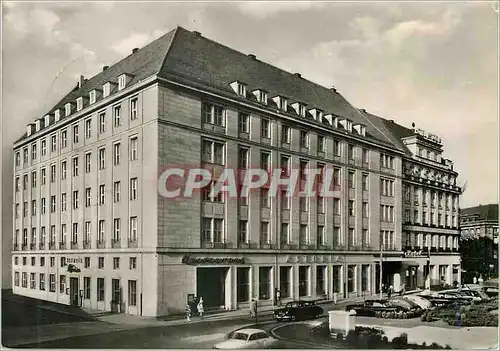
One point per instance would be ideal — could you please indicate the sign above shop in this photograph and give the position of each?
(213, 260)
(74, 260)
(418, 253)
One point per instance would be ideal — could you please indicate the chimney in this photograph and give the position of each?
(134, 50)
(105, 68)
(363, 110)
(252, 56)
(297, 75)
(81, 81)
(196, 33)
(333, 89)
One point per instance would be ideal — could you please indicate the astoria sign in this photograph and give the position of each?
(212, 260)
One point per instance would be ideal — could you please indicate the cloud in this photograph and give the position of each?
(137, 40)
(264, 9)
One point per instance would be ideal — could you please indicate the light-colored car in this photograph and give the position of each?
(248, 338)
(422, 302)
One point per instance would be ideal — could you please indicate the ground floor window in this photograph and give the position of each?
(16, 278)
(337, 279)
(264, 283)
(115, 288)
(320, 280)
(132, 292)
(351, 278)
(303, 281)
(285, 282)
(32, 281)
(52, 283)
(365, 273)
(62, 283)
(442, 273)
(86, 287)
(100, 289)
(243, 284)
(42, 281)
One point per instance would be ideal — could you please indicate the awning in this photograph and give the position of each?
(410, 263)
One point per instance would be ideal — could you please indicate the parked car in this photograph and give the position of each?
(422, 302)
(370, 308)
(491, 291)
(298, 310)
(248, 338)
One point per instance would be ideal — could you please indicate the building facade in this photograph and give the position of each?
(91, 228)
(479, 241)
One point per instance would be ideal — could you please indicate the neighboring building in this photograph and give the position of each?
(479, 241)
(89, 217)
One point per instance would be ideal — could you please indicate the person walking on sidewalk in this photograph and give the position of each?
(200, 307)
(253, 310)
(188, 313)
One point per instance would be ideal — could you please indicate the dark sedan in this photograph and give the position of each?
(298, 310)
(370, 308)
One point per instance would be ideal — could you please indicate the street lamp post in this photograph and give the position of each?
(380, 275)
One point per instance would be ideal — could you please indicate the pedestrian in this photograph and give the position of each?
(389, 292)
(474, 280)
(188, 312)
(480, 280)
(200, 307)
(253, 310)
(403, 289)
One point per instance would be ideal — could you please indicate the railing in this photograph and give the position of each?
(101, 244)
(132, 243)
(16, 247)
(116, 243)
(24, 247)
(86, 244)
(52, 245)
(62, 245)
(32, 246)
(214, 245)
(41, 246)
(74, 245)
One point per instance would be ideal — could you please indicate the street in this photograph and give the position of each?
(59, 329)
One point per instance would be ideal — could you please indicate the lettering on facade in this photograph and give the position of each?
(74, 260)
(418, 253)
(213, 260)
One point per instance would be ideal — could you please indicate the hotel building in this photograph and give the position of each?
(92, 230)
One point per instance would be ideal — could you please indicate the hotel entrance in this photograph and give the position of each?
(211, 285)
(73, 291)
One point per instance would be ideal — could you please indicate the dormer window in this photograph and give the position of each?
(123, 80)
(261, 96)
(300, 109)
(92, 96)
(360, 128)
(79, 103)
(67, 109)
(317, 114)
(37, 124)
(281, 102)
(347, 124)
(239, 88)
(106, 89)
(46, 120)
(57, 115)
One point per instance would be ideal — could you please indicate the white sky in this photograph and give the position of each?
(434, 64)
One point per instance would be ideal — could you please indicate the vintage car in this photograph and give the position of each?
(298, 310)
(420, 301)
(405, 305)
(491, 291)
(248, 338)
(370, 308)
(440, 298)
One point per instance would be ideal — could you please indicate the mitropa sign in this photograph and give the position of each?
(212, 260)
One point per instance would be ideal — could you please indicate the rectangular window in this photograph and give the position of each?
(133, 229)
(100, 289)
(116, 191)
(320, 204)
(44, 147)
(75, 166)
(33, 152)
(321, 143)
(53, 143)
(336, 206)
(133, 149)
(117, 111)
(102, 156)
(304, 139)
(243, 158)
(132, 263)
(213, 152)
(351, 209)
(265, 283)
(63, 202)
(351, 278)
(320, 280)
(285, 282)
(102, 194)
(74, 234)
(52, 173)
(351, 180)
(285, 165)
(284, 234)
(100, 262)
(132, 292)
(133, 108)
(86, 288)
(75, 134)
(264, 232)
(116, 262)
(365, 274)
(242, 231)
(87, 232)
(75, 199)
(100, 232)
(53, 204)
(303, 281)
(285, 134)
(303, 235)
(63, 170)
(365, 210)
(62, 284)
(116, 230)
(102, 122)
(321, 240)
(87, 262)
(116, 153)
(213, 114)
(350, 152)
(133, 189)
(242, 284)
(364, 182)
(365, 156)
(264, 128)
(64, 139)
(88, 197)
(243, 122)
(52, 282)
